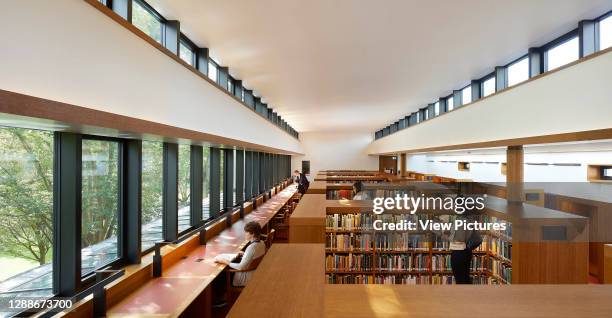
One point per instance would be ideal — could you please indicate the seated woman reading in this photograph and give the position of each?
(254, 249)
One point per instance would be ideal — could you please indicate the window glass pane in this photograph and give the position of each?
(185, 53)
(212, 71)
(418, 117)
(152, 191)
(26, 213)
(466, 95)
(146, 21)
(230, 86)
(184, 188)
(562, 54)
(100, 204)
(221, 173)
(450, 103)
(206, 186)
(605, 33)
(426, 114)
(518, 72)
(488, 87)
(437, 108)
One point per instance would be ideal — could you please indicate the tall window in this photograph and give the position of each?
(186, 53)
(450, 103)
(212, 71)
(146, 20)
(184, 187)
(26, 212)
(426, 113)
(605, 33)
(152, 193)
(466, 95)
(562, 54)
(488, 86)
(100, 204)
(518, 71)
(206, 185)
(437, 109)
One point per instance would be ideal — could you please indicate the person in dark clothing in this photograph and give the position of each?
(302, 181)
(460, 264)
(462, 243)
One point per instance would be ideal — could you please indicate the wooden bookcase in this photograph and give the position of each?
(534, 261)
(433, 254)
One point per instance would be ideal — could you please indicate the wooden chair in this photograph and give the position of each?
(235, 290)
(269, 239)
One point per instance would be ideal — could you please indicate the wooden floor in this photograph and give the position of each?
(290, 283)
(468, 301)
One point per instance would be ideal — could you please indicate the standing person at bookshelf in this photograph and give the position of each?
(462, 243)
(302, 182)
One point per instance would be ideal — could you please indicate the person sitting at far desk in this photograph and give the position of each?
(254, 249)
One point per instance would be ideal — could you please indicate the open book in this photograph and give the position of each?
(226, 257)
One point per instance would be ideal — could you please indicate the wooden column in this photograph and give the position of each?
(403, 165)
(514, 174)
(607, 264)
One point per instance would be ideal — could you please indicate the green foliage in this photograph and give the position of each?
(152, 180)
(100, 201)
(146, 22)
(184, 190)
(26, 194)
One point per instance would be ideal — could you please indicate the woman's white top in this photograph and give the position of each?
(255, 250)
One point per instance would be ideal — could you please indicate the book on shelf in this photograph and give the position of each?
(349, 242)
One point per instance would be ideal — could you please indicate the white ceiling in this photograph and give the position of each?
(358, 65)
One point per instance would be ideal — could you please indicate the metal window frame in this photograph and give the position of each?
(121, 228)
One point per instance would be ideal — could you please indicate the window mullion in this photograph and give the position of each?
(170, 192)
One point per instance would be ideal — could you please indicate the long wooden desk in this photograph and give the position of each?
(187, 282)
(287, 283)
(290, 283)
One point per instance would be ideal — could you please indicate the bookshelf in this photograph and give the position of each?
(532, 260)
(356, 253)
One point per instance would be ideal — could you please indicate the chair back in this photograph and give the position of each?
(270, 238)
(254, 263)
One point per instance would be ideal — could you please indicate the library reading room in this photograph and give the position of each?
(306, 158)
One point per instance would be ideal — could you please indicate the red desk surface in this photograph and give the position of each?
(164, 296)
(181, 283)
